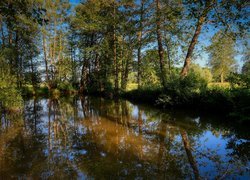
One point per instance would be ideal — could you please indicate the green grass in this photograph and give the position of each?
(28, 90)
(220, 85)
(132, 86)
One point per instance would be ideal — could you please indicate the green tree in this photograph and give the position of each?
(231, 16)
(222, 54)
(10, 97)
(106, 33)
(53, 33)
(246, 65)
(150, 70)
(204, 73)
(18, 49)
(19, 28)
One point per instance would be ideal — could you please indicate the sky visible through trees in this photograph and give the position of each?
(204, 40)
(115, 46)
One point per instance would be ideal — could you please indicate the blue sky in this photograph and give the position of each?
(74, 1)
(204, 39)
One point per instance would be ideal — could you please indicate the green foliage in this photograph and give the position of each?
(246, 68)
(65, 86)
(28, 91)
(203, 73)
(224, 85)
(218, 99)
(64, 69)
(55, 93)
(146, 95)
(132, 77)
(95, 48)
(181, 91)
(239, 80)
(32, 78)
(241, 105)
(235, 102)
(222, 55)
(10, 97)
(246, 65)
(64, 75)
(150, 70)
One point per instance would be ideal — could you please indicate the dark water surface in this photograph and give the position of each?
(96, 138)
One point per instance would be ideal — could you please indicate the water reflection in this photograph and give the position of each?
(93, 137)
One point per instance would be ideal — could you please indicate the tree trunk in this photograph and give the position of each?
(126, 71)
(189, 154)
(187, 61)
(115, 55)
(169, 59)
(139, 61)
(49, 127)
(60, 57)
(45, 60)
(209, 4)
(83, 76)
(140, 45)
(10, 37)
(2, 34)
(97, 69)
(33, 77)
(116, 67)
(162, 148)
(35, 114)
(160, 46)
(18, 64)
(54, 41)
(222, 77)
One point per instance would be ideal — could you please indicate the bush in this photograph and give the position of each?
(10, 97)
(65, 86)
(182, 91)
(217, 99)
(146, 95)
(192, 91)
(239, 80)
(241, 104)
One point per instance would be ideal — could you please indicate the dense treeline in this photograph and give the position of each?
(105, 46)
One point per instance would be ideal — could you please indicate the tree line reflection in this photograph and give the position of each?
(94, 137)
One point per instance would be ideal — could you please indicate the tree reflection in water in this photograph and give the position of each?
(94, 137)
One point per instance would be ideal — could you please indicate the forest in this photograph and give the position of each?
(146, 50)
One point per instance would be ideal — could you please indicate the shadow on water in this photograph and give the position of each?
(94, 137)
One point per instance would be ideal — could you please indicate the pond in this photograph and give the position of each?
(89, 137)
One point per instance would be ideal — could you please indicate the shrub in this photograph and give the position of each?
(239, 80)
(182, 91)
(65, 86)
(148, 95)
(241, 104)
(10, 97)
(217, 99)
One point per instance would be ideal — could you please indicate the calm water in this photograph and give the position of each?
(96, 138)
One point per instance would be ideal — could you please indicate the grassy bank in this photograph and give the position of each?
(235, 103)
(28, 91)
(182, 94)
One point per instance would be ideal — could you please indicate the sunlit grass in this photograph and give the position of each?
(226, 85)
(218, 84)
(132, 86)
(29, 90)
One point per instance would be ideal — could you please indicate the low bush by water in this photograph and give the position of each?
(187, 93)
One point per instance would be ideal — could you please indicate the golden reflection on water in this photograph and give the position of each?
(92, 137)
(118, 139)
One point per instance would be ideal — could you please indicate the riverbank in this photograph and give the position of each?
(233, 103)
